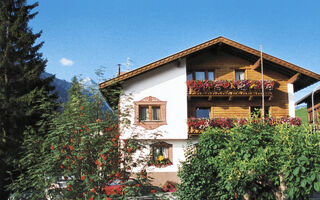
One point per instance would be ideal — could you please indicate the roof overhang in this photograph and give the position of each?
(307, 98)
(303, 77)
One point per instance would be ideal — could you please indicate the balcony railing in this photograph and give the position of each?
(198, 125)
(230, 87)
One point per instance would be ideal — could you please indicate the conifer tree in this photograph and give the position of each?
(25, 99)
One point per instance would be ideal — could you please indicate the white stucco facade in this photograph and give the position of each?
(168, 84)
(292, 112)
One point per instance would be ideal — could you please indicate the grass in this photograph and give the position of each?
(303, 114)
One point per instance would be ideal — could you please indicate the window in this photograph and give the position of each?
(161, 154)
(155, 113)
(211, 76)
(150, 113)
(144, 113)
(239, 75)
(160, 151)
(189, 76)
(256, 111)
(203, 113)
(200, 76)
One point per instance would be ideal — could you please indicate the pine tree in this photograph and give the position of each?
(25, 99)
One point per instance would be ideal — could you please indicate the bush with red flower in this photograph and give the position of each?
(169, 186)
(86, 151)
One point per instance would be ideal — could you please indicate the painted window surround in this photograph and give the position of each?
(150, 101)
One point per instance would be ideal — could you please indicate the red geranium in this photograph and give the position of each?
(69, 187)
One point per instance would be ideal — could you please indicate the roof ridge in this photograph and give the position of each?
(201, 46)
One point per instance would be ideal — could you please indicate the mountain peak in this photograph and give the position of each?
(88, 81)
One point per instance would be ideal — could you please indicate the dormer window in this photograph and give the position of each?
(239, 75)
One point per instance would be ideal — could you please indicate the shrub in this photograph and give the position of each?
(252, 161)
(199, 174)
(300, 161)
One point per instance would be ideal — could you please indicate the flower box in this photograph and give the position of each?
(230, 87)
(160, 162)
(198, 125)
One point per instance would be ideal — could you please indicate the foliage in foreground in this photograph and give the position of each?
(81, 154)
(26, 101)
(255, 161)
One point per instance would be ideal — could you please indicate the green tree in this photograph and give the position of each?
(25, 99)
(82, 150)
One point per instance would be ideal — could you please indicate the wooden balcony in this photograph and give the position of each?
(230, 94)
(196, 126)
(194, 132)
(207, 89)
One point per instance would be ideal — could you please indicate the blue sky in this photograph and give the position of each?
(82, 35)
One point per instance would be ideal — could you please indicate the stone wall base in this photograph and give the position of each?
(160, 178)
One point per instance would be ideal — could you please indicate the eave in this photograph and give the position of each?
(306, 77)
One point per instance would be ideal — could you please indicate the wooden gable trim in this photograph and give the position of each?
(204, 45)
(256, 64)
(159, 62)
(294, 78)
(271, 58)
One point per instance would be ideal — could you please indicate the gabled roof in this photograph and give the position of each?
(307, 98)
(313, 77)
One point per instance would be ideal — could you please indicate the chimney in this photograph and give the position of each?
(119, 69)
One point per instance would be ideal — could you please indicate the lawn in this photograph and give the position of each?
(303, 114)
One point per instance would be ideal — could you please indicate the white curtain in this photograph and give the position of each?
(144, 113)
(165, 151)
(239, 75)
(156, 113)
